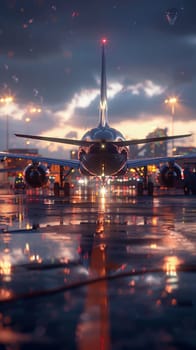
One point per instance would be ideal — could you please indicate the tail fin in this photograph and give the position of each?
(103, 121)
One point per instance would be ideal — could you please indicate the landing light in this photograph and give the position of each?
(103, 146)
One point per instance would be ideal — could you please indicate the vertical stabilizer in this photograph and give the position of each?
(103, 98)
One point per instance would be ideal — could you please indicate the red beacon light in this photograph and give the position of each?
(104, 41)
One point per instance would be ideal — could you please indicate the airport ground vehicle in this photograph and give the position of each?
(19, 183)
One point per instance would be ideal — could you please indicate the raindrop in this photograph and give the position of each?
(15, 78)
(35, 92)
(75, 14)
(171, 16)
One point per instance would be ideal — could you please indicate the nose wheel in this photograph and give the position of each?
(103, 181)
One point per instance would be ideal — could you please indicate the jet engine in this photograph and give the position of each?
(122, 171)
(170, 174)
(36, 175)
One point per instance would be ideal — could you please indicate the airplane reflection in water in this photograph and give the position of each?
(93, 330)
(12, 212)
(100, 250)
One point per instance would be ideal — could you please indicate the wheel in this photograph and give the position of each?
(186, 190)
(150, 188)
(56, 189)
(140, 189)
(66, 189)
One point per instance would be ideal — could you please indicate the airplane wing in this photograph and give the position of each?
(133, 163)
(71, 163)
(87, 143)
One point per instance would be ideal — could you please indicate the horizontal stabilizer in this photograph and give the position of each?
(88, 143)
(148, 140)
(56, 139)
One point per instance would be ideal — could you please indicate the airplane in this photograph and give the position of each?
(103, 151)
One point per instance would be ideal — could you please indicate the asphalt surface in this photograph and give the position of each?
(97, 272)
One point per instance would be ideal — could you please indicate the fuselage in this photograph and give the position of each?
(103, 158)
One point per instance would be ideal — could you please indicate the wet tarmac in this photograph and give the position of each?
(97, 272)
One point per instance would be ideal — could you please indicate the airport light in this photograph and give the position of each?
(31, 111)
(27, 120)
(34, 110)
(172, 101)
(6, 100)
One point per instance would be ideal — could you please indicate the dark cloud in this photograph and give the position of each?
(49, 51)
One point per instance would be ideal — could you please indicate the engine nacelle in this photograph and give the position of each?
(170, 174)
(36, 175)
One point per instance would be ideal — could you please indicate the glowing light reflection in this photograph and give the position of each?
(5, 293)
(170, 265)
(5, 268)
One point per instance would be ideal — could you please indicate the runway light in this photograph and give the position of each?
(153, 246)
(27, 248)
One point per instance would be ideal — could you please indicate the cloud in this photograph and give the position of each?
(148, 87)
(50, 57)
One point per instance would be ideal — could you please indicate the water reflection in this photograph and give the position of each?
(101, 211)
(71, 242)
(5, 259)
(94, 328)
(5, 268)
(170, 266)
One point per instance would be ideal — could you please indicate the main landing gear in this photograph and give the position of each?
(141, 188)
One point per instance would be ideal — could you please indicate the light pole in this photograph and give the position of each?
(27, 120)
(6, 100)
(31, 111)
(172, 102)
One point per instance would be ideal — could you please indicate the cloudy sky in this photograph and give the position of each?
(50, 59)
